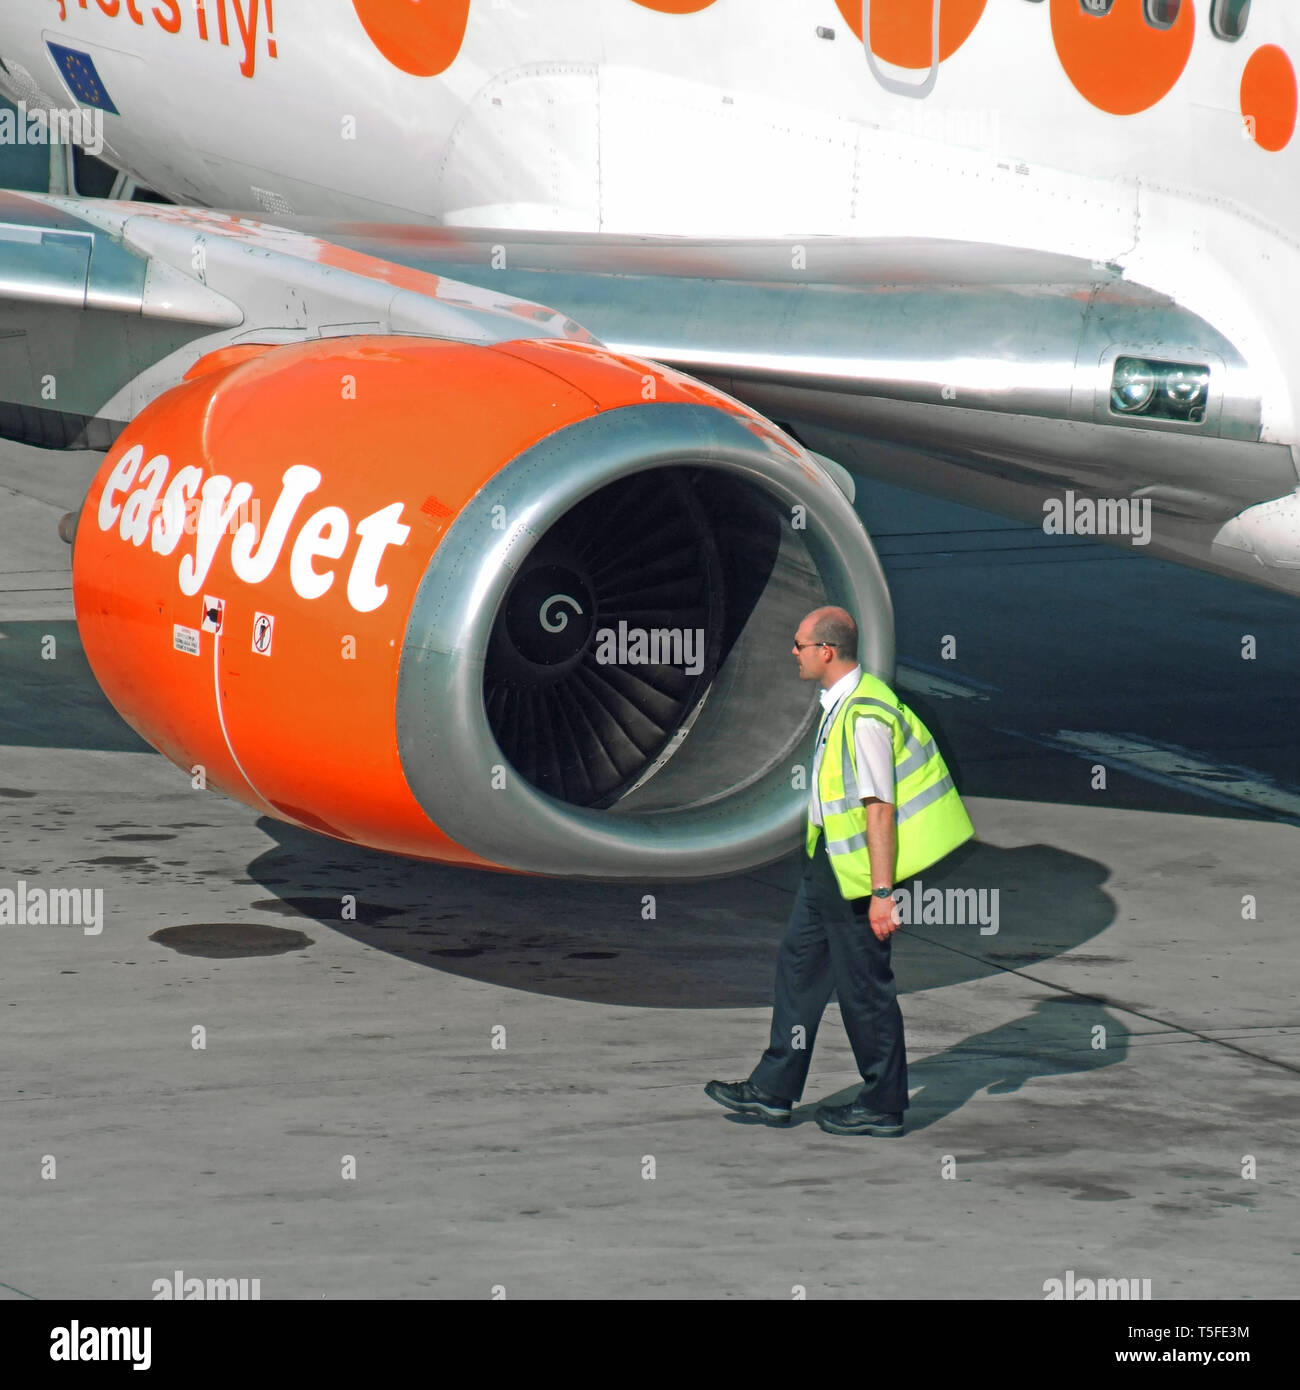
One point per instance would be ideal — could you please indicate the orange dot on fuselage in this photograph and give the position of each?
(420, 38)
(902, 31)
(1119, 62)
(1268, 97)
(676, 6)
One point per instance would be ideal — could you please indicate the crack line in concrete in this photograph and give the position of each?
(1112, 1004)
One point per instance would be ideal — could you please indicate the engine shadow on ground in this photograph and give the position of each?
(709, 944)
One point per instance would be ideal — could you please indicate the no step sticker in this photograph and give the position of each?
(263, 633)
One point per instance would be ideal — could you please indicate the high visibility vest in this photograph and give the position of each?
(929, 819)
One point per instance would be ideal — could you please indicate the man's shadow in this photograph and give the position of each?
(1060, 1037)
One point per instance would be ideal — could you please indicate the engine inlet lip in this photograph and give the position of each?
(444, 740)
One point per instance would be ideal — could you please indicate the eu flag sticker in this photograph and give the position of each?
(79, 73)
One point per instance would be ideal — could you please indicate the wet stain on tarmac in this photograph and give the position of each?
(1086, 1191)
(459, 950)
(222, 940)
(134, 860)
(591, 955)
(14, 792)
(142, 838)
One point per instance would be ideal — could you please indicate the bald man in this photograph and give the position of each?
(844, 913)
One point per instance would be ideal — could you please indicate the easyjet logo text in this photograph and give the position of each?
(148, 502)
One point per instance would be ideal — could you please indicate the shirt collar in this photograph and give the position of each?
(840, 688)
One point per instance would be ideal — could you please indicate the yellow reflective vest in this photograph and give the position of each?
(929, 819)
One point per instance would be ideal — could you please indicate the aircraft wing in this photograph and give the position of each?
(105, 305)
(981, 373)
(913, 359)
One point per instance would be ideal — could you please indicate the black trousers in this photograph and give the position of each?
(827, 945)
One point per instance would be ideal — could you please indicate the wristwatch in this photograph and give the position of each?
(882, 892)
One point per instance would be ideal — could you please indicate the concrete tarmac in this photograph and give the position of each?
(1104, 1084)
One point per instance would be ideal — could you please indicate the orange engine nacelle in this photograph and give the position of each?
(507, 606)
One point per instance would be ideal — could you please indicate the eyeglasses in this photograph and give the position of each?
(799, 646)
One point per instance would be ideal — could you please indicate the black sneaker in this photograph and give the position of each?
(856, 1119)
(749, 1100)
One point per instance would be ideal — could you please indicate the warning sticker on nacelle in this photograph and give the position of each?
(214, 613)
(263, 633)
(185, 639)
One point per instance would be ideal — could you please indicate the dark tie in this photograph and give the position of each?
(826, 718)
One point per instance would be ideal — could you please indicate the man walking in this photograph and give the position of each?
(883, 807)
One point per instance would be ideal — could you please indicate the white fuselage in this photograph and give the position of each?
(743, 119)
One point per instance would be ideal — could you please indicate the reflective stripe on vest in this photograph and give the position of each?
(918, 754)
(903, 811)
(922, 781)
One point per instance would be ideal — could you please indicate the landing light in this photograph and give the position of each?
(1134, 385)
(1160, 390)
(1186, 389)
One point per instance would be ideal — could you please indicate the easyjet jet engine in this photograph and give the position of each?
(527, 606)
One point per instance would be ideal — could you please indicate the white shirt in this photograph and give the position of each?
(873, 742)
